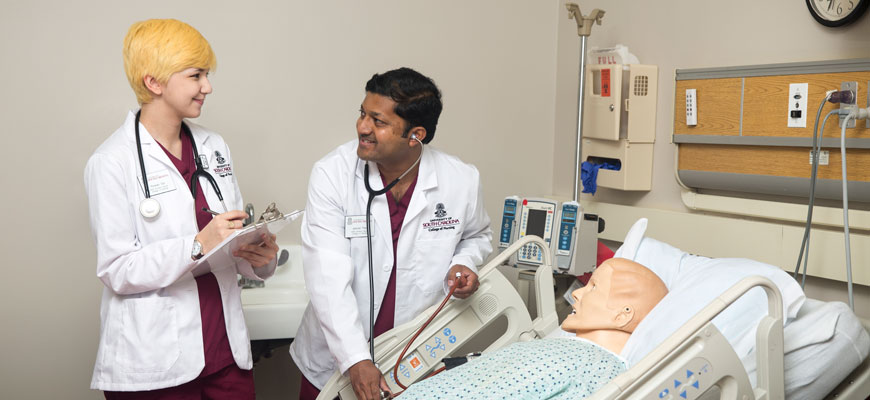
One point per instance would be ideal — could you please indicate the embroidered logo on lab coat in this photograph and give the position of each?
(442, 221)
(223, 168)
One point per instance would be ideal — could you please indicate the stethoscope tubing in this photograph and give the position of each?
(372, 194)
(199, 172)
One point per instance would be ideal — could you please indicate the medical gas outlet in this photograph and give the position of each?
(797, 105)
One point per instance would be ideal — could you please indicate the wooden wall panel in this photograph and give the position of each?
(718, 113)
(774, 161)
(765, 104)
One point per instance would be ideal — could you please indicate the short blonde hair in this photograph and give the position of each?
(160, 48)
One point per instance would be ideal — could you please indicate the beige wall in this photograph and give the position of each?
(288, 86)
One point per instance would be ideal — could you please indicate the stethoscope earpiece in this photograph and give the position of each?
(149, 208)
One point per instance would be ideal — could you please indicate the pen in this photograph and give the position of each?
(210, 211)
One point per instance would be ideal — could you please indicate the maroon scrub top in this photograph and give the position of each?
(398, 209)
(216, 344)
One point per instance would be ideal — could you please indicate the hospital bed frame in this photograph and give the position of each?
(694, 362)
(459, 322)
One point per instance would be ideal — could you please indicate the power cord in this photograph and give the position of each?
(805, 248)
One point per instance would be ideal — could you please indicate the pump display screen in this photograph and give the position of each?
(568, 215)
(536, 223)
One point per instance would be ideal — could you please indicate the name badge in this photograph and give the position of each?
(354, 226)
(160, 182)
(204, 161)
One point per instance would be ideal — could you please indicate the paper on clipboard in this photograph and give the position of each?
(222, 254)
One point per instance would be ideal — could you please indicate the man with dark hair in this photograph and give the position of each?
(429, 226)
(418, 100)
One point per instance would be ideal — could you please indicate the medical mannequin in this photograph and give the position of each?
(617, 297)
(169, 330)
(606, 311)
(429, 226)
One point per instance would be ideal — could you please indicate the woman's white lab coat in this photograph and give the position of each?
(150, 325)
(445, 224)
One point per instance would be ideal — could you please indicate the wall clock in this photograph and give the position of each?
(837, 12)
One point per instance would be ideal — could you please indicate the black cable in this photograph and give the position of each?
(141, 160)
(372, 195)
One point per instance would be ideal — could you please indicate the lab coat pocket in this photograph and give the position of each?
(432, 261)
(149, 335)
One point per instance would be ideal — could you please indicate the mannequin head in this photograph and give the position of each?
(619, 295)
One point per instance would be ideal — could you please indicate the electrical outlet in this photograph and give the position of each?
(853, 86)
(691, 107)
(797, 105)
(824, 157)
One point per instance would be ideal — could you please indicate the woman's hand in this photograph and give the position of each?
(221, 226)
(259, 255)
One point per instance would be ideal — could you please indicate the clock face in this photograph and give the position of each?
(837, 12)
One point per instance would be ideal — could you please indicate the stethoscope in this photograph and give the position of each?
(149, 208)
(372, 194)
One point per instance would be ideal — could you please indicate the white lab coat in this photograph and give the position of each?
(150, 325)
(445, 224)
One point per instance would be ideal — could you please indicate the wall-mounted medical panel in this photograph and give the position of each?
(743, 141)
(717, 114)
(619, 121)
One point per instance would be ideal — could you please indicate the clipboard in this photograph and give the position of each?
(222, 254)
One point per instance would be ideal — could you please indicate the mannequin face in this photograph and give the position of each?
(592, 310)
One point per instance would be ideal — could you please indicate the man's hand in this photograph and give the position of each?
(467, 282)
(367, 380)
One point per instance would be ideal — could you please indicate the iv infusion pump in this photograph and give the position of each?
(571, 235)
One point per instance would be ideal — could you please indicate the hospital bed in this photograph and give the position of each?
(694, 362)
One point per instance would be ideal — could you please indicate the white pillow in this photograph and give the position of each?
(693, 282)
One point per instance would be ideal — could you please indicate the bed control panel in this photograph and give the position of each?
(690, 382)
(421, 359)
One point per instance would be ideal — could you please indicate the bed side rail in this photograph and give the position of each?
(457, 324)
(657, 370)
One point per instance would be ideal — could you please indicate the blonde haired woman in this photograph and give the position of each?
(169, 329)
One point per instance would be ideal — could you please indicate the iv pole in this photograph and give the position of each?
(584, 28)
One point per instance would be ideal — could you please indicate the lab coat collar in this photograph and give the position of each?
(427, 179)
(150, 146)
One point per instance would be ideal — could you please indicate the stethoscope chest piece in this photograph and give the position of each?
(149, 208)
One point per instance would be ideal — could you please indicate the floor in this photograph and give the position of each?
(276, 377)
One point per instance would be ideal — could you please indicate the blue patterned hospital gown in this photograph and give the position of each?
(562, 368)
